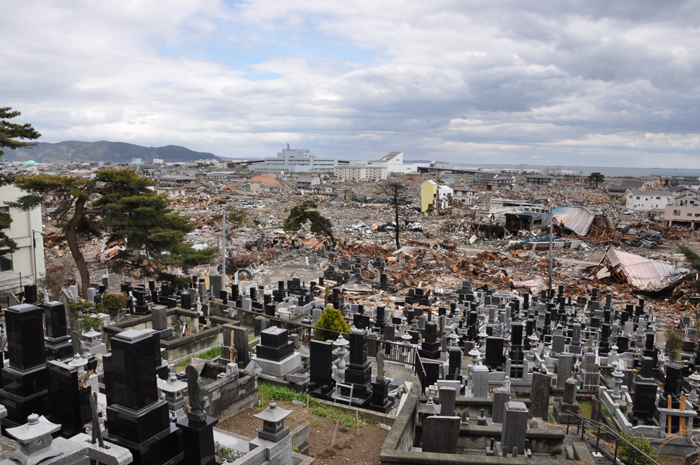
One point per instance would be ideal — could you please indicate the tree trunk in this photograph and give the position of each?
(396, 211)
(72, 239)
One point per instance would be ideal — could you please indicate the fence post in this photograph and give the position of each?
(597, 440)
(615, 456)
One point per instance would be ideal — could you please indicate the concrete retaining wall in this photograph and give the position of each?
(228, 396)
(300, 439)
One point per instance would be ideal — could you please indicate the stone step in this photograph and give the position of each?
(569, 452)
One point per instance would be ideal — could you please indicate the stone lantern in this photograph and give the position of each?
(273, 423)
(342, 344)
(174, 391)
(617, 379)
(694, 383)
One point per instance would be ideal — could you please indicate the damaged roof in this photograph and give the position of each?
(643, 273)
(576, 219)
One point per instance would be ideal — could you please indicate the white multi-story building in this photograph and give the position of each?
(645, 201)
(359, 171)
(297, 160)
(27, 263)
(394, 164)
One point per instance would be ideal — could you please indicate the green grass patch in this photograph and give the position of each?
(268, 392)
(228, 454)
(586, 407)
(612, 420)
(252, 337)
(670, 460)
(211, 353)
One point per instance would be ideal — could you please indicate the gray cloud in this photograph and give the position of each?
(605, 82)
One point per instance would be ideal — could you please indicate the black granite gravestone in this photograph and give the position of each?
(25, 378)
(494, 358)
(136, 418)
(643, 406)
(672, 385)
(30, 294)
(359, 370)
(274, 344)
(69, 404)
(321, 366)
(57, 342)
(430, 348)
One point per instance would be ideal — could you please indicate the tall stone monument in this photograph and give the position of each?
(136, 418)
(25, 379)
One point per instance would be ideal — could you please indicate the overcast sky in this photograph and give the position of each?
(590, 83)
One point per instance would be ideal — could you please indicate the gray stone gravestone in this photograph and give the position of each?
(539, 395)
(159, 318)
(566, 368)
(480, 381)
(440, 434)
(558, 343)
(448, 396)
(514, 426)
(216, 283)
(500, 397)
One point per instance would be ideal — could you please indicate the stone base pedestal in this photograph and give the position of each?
(58, 348)
(162, 449)
(19, 408)
(141, 309)
(278, 453)
(561, 410)
(281, 368)
(380, 398)
(100, 348)
(198, 441)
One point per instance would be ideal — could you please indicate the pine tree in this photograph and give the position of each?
(306, 212)
(121, 203)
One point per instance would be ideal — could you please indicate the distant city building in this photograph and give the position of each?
(645, 201)
(158, 161)
(539, 179)
(684, 216)
(464, 195)
(360, 171)
(493, 181)
(136, 161)
(297, 160)
(395, 165)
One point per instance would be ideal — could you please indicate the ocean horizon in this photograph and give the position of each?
(606, 171)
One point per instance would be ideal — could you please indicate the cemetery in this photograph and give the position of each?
(179, 375)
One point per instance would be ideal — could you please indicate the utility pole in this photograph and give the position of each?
(551, 239)
(223, 251)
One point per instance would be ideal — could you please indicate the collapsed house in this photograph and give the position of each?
(645, 275)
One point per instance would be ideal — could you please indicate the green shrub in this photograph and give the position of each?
(112, 302)
(331, 319)
(625, 452)
(673, 345)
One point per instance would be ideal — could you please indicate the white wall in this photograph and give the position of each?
(21, 232)
(647, 201)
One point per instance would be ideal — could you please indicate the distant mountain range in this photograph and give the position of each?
(115, 152)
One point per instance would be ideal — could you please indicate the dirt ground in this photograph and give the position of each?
(348, 447)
